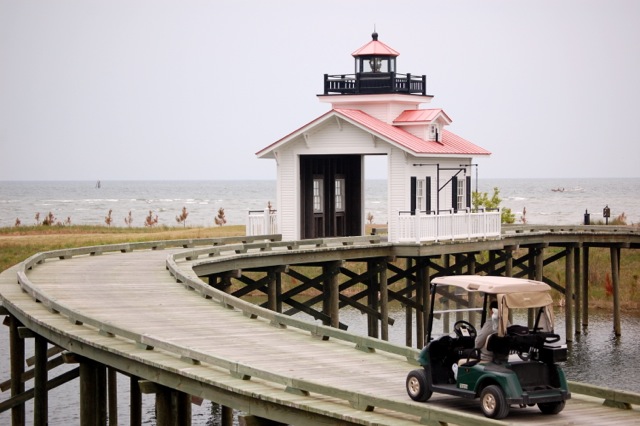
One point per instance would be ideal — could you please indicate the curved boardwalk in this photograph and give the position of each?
(127, 311)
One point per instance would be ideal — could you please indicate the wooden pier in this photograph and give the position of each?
(170, 316)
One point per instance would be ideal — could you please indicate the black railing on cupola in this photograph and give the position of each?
(368, 83)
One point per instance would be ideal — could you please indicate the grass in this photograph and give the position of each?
(18, 243)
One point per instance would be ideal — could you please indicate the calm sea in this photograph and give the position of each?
(546, 201)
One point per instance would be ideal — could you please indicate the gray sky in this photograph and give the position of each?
(153, 89)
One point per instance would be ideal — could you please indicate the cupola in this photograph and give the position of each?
(375, 73)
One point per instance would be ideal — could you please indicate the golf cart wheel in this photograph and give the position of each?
(493, 402)
(418, 385)
(551, 407)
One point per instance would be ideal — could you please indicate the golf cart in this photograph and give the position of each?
(514, 365)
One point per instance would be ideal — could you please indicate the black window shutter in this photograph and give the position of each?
(454, 194)
(427, 184)
(414, 184)
(468, 192)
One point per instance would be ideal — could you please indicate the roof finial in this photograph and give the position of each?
(374, 35)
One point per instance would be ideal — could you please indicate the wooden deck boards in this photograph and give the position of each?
(135, 291)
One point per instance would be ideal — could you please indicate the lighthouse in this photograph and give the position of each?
(374, 110)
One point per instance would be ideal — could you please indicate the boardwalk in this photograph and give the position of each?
(127, 311)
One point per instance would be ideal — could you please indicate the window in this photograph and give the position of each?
(420, 194)
(339, 195)
(318, 192)
(461, 201)
(435, 132)
(375, 64)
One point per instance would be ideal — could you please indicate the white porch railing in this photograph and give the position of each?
(423, 227)
(416, 228)
(262, 222)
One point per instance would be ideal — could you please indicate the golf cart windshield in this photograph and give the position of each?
(459, 299)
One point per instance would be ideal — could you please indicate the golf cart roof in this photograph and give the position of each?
(492, 284)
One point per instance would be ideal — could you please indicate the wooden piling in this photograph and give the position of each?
(408, 318)
(373, 290)
(40, 378)
(16, 348)
(384, 300)
(568, 292)
(508, 262)
(112, 394)
(585, 286)
(88, 393)
(420, 290)
(101, 393)
(615, 278)
(135, 402)
(577, 289)
(226, 416)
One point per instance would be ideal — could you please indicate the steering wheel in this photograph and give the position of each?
(464, 325)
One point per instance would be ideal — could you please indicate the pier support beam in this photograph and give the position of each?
(135, 402)
(93, 400)
(40, 378)
(16, 347)
(372, 300)
(568, 292)
(408, 329)
(112, 396)
(615, 278)
(508, 260)
(274, 289)
(384, 300)
(585, 286)
(173, 408)
(421, 288)
(331, 299)
(577, 285)
(226, 416)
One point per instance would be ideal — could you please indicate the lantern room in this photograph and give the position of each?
(375, 57)
(375, 73)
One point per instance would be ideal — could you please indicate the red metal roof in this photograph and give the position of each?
(375, 47)
(420, 115)
(450, 143)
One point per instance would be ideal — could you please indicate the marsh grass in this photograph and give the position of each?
(18, 243)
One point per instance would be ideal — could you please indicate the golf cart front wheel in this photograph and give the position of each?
(418, 385)
(493, 402)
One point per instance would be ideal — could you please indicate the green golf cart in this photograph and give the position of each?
(502, 364)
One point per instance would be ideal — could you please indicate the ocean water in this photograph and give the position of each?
(82, 203)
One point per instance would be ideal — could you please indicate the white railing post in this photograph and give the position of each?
(266, 222)
(249, 230)
(416, 226)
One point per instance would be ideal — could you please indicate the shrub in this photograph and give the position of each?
(108, 219)
(150, 220)
(183, 217)
(220, 219)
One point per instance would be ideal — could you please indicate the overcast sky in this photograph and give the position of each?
(152, 89)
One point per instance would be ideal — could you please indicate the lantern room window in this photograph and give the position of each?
(374, 64)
